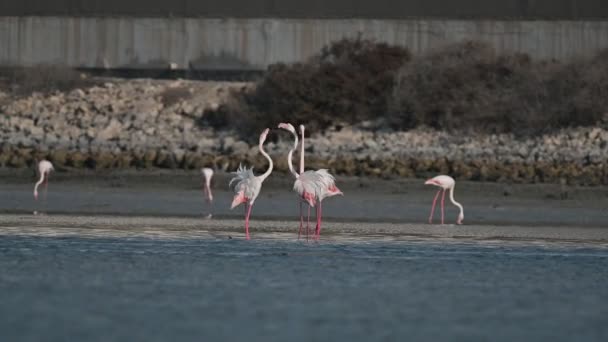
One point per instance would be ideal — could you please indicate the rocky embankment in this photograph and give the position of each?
(153, 123)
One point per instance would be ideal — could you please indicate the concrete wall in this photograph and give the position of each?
(328, 9)
(256, 43)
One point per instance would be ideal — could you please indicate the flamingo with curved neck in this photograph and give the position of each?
(248, 186)
(444, 183)
(207, 194)
(44, 169)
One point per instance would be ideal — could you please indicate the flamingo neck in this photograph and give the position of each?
(42, 175)
(270, 164)
(290, 155)
(208, 187)
(454, 201)
(302, 151)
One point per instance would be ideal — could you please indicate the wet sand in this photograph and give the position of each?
(170, 204)
(189, 228)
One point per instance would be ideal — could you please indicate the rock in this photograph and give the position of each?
(59, 157)
(240, 148)
(111, 131)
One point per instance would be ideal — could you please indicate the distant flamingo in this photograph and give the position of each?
(324, 185)
(207, 175)
(248, 186)
(308, 184)
(44, 169)
(445, 183)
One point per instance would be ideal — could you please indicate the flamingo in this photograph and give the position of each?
(324, 187)
(207, 175)
(444, 183)
(307, 184)
(248, 186)
(44, 169)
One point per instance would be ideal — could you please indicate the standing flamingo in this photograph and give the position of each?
(207, 175)
(44, 169)
(248, 186)
(307, 184)
(326, 186)
(444, 183)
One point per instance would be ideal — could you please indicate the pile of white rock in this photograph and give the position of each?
(155, 123)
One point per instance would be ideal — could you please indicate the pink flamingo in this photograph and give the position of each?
(207, 175)
(307, 184)
(445, 183)
(328, 186)
(44, 169)
(248, 186)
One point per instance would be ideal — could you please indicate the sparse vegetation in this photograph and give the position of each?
(464, 86)
(43, 79)
(468, 87)
(346, 82)
(171, 96)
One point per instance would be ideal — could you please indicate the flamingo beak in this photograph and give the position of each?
(238, 199)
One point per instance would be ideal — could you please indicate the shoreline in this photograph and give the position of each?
(101, 226)
(178, 194)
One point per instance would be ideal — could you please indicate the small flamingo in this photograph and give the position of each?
(325, 186)
(207, 194)
(445, 183)
(44, 169)
(248, 186)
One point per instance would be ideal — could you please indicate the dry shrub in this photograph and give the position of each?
(171, 96)
(44, 79)
(347, 82)
(467, 86)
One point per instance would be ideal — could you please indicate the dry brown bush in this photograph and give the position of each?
(44, 79)
(345, 83)
(467, 86)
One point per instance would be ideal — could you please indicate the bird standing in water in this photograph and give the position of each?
(311, 186)
(207, 175)
(307, 184)
(444, 183)
(44, 169)
(248, 186)
(328, 186)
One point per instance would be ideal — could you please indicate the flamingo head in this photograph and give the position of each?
(238, 199)
(432, 181)
(460, 218)
(302, 129)
(263, 135)
(36, 195)
(288, 127)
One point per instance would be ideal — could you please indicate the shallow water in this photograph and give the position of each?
(215, 288)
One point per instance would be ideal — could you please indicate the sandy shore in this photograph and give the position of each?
(170, 204)
(179, 228)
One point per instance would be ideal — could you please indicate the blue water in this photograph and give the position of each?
(75, 289)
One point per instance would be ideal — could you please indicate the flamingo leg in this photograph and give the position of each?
(301, 221)
(247, 220)
(319, 220)
(442, 205)
(46, 189)
(308, 224)
(433, 207)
